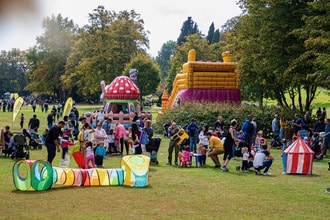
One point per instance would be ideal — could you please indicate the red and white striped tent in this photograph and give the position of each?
(299, 158)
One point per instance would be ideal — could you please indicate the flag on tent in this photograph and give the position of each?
(17, 106)
(67, 106)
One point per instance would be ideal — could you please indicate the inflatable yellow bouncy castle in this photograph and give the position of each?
(208, 81)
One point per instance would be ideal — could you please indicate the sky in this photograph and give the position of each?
(21, 20)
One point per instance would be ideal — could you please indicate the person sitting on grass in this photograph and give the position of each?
(262, 160)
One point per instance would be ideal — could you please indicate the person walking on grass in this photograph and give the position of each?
(229, 144)
(51, 141)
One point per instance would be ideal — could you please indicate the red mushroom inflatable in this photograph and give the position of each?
(121, 98)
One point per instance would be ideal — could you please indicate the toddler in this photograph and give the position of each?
(129, 138)
(202, 150)
(245, 162)
(186, 154)
(89, 154)
(100, 153)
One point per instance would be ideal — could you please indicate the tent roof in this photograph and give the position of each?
(298, 147)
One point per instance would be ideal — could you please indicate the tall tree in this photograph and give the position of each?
(55, 45)
(12, 69)
(316, 36)
(149, 73)
(210, 34)
(104, 48)
(267, 48)
(164, 57)
(189, 27)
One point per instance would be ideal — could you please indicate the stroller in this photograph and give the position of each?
(153, 148)
(316, 147)
(276, 142)
(166, 126)
(34, 139)
(21, 146)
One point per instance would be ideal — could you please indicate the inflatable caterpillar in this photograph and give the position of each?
(29, 175)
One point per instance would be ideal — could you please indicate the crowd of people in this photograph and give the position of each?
(244, 141)
(100, 136)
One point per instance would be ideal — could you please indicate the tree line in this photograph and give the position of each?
(282, 50)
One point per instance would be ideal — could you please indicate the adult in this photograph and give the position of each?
(100, 135)
(324, 113)
(54, 110)
(229, 144)
(248, 130)
(192, 129)
(283, 125)
(50, 119)
(308, 123)
(76, 115)
(172, 144)
(11, 145)
(34, 123)
(219, 126)
(6, 136)
(150, 131)
(298, 123)
(318, 112)
(51, 141)
(276, 126)
(202, 136)
(263, 160)
(100, 116)
(319, 127)
(34, 105)
(215, 148)
(119, 135)
(326, 142)
(135, 132)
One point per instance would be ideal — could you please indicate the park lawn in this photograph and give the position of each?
(173, 192)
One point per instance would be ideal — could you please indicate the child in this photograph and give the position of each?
(245, 166)
(65, 160)
(21, 123)
(112, 146)
(137, 149)
(186, 154)
(129, 138)
(100, 153)
(202, 150)
(89, 154)
(258, 138)
(64, 144)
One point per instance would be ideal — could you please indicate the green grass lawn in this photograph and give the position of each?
(173, 193)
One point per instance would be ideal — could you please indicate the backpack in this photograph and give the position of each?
(144, 139)
(249, 128)
(81, 136)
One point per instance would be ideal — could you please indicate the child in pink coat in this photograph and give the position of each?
(186, 154)
(90, 154)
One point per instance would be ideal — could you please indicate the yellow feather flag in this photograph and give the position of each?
(17, 106)
(67, 107)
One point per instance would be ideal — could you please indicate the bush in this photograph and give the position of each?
(208, 112)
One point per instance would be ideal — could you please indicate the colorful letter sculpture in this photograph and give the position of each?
(29, 175)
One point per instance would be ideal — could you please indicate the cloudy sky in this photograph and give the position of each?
(20, 20)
